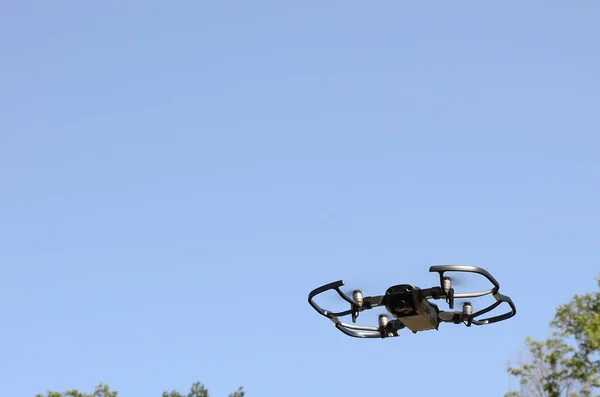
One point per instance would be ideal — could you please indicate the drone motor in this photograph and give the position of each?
(446, 284)
(357, 297)
(383, 321)
(467, 309)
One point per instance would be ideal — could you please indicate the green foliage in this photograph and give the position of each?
(580, 319)
(239, 393)
(551, 371)
(102, 390)
(558, 368)
(198, 390)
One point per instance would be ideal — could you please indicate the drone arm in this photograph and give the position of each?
(370, 302)
(450, 317)
(431, 293)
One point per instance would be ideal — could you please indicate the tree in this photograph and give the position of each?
(566, 364)
(102, 390)
(198, 390)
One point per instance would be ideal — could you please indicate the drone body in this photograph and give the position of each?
(411, 308)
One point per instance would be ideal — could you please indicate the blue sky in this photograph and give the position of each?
(176, 177)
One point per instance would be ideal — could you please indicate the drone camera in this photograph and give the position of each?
(400, 300)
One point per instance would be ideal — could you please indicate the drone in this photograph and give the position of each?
(411, 307)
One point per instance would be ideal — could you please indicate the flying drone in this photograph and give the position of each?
(411, 308)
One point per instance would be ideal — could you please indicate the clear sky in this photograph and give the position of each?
(177, 176)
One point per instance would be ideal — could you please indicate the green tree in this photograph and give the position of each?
(198, 390)
(102, 390)
(566, 364)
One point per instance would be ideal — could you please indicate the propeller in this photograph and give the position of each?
(458, 280)
(349, 291)
(451, 284)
